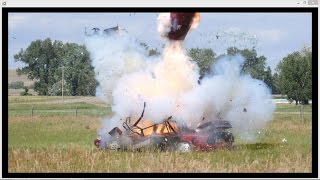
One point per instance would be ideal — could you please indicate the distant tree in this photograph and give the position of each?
(78, 72)
(56, 89)
(295, 76)
(150, 52)
(45, 60)
(25, 92)
(204, 58)
(253, 65)
(154, 52)
(42, 59)
(276, 85)
(268, 79)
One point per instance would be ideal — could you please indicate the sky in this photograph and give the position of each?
(273, 35)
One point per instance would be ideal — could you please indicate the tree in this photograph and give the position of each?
(149, 51)
(78, 72)
(295, 76)
(42, 60)
(276, 85)
(45, 60)
(25, 92)
(56, 89)
(204, 58)
(154, 52)
(253, 65)
(268, 79)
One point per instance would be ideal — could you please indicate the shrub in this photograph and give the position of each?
(25, 92)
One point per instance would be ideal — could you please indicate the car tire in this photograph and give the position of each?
(184, 147)
(163, 146)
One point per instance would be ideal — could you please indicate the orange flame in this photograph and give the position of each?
(195, 21)
(151, 129)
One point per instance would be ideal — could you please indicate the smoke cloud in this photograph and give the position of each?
(169, 86)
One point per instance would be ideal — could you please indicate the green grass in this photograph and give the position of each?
(35, 99)
(41, 132)
(55, 142)
(293, 108)
(50, 106)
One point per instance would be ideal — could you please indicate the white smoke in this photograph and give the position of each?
(113, 56)
(164, 24)
(169, 86)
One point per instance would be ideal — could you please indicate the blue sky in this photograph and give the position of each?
(273, 35)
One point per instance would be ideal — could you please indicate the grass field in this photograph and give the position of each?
(57, 139)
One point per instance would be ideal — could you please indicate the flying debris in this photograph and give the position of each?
(200, 78)
(107, 31)
(111, 30)
(168, 135)
(96, 30)
(176, 102)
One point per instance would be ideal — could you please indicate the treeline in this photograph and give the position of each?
(253, 64)
(293, 75)
(47, 61)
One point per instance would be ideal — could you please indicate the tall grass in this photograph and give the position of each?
(79, 159)
(64, 143)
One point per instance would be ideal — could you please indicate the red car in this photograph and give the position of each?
(208, 136)
(167, 136)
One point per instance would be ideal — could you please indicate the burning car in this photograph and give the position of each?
(207, 136)
(167, 135)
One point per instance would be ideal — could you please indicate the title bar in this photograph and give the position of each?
(160, 3)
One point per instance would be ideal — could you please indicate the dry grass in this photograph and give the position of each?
(63, 143)
(78, 159)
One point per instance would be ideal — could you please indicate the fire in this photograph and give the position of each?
(150, 128)
(195, 21)
(170, 85)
